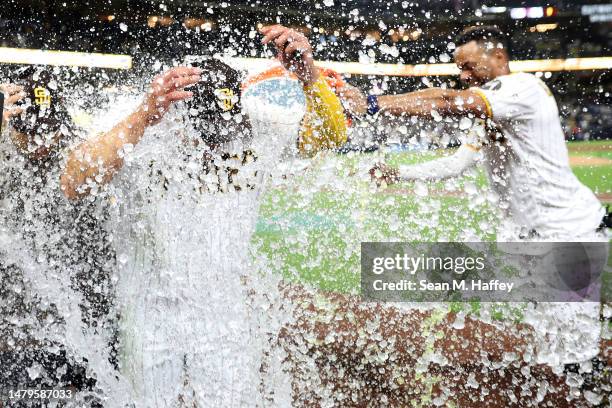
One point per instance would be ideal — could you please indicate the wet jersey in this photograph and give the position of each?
(530, 168)
(183, 219)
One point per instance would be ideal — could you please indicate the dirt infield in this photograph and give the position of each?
(605, 197)
(589, 161)
(589, 147)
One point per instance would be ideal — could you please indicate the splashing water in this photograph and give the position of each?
(57, 300)
(199, 311)
(191, 318)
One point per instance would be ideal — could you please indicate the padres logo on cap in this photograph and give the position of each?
(42, 97)
(226, 98)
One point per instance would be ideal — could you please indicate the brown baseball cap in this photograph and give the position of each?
(215, 109)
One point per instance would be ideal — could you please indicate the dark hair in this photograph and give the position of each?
(216, 106)
(484, 34)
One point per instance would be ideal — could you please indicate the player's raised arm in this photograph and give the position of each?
(424, 103)
(324, 124)
(98, 159)
(294, 52)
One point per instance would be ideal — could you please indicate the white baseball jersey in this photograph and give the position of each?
(530, 169)
(187, 329)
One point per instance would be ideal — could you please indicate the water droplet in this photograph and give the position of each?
(436, 116)
(592, 397)
(465, 123)
(123, 258)
(34, 371)
(471, 381)
(420, 189)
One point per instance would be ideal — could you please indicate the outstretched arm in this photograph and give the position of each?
(96, 161)
(439, 169)
(423, 103)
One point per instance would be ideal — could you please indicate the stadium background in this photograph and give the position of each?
(311, 226)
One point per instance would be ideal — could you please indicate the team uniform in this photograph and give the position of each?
(527, 164)
(532, 174)
(184, 217)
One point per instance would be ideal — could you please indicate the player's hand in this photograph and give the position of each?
(165, 89)
(353, 100)
(384, 174)
(294, 51)
(12, 94)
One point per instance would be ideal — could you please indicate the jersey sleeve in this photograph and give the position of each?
(509, 98)
(324, 124)
(442, 168)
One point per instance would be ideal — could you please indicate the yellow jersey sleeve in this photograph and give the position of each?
(324, 124)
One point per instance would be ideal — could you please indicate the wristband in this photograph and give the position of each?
(373, 107)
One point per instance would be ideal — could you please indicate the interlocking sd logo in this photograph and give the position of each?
(226, 98)
(42, 97)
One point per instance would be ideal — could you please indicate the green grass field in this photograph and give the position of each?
(310, 228)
